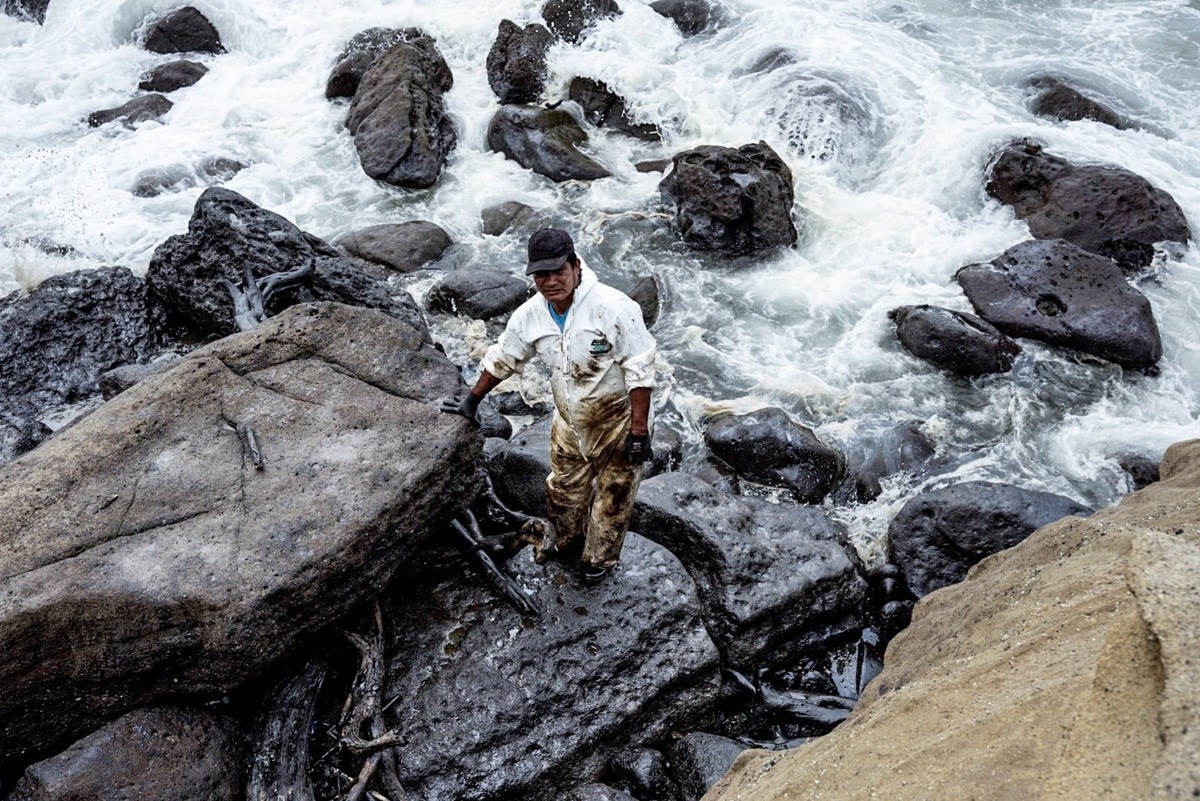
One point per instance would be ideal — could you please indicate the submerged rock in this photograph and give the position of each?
(1059, 101)
(196, 567)
(1059, 294)
(940, 533)
(732, 201)
(183, 31)
(953, 340)
(478, 294)
(403, 247)
(171, 76)
(516, 64)
(508, 216)
(692, 17)
(32, 10)
(568, 19)
(605, 108)
(140, 109)
(544, 141)
(1105, 210)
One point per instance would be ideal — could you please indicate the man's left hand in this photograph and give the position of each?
(637, 449)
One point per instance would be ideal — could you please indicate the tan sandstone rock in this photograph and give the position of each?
(1063, 669)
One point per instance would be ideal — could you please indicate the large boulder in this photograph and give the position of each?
(403, 247)
(57, 340)
(568, 19)
(1106, 210)
(1063, 668)
(165, 752)
(398, 116)
(940, 533)
(1059, 101)
(172, 75)
(185, 30)
(731, 201)
(234, 506)
(494, 706)
(953, 340)
(228, 233)
(142, 108)
(366, 46)
(605, 108)
(32, 10)
(478, 294)
(544, 141)
(774, 579)
(767, 446)
(1057, 293)
(511, 215)
(690, 16)
(516, 64)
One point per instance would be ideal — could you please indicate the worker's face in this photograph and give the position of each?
(558, 285)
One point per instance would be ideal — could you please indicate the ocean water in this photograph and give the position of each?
(887, 113)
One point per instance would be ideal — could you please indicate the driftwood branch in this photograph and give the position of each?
(501, 582)
(281, 759)
(251, 299)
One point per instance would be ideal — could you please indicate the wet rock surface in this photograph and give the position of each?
(509, 216)
(115, 381)
(398, 116)
(198, 567)
(554, 699)
(516, 64)
(767, 446)
(163, 180)
(1060, 101)
(645, 293)
(140, 109)
(568, 19)
(403, 247)
(1062, 295)
(692, 17)
(1105, 210)
(163, 752)
(32, 10)
(605, 108)
(643, 771)
(700, 760)
(171, 76)
(940, 533)
(731, 201)
(479, 294)
(56, 341)
(773, 578)
(953, 340)
(362, 50)
(594, 791)
(546, 142)
(183, 31)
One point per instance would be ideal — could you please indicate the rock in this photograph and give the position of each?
(166, 752)
(768, 447)
(18, 436)
(568, 19)
(645, 294)
(644, 771)
(183, 31)
(140, 109)
(667, 445)
(594, 791)
(117, 380)
(654, 165)
(1141, 470)
(1063, 668)
(953, 340)
(1061, 102)
(516, 64)
(902, 449)
(172, 75)
(508, 216)
(57, 340)
(700, 760)
(1057, 293)
(186, 271)
(543, 141)
(398, 116)
(176, 178)
(692, 17)
(195, 569)
(940, 533)
(478, 294)
(1105, 210)
(550, 701)
(605, 108)
(403, 247)
(774, 579)
(366, 46)
(731, 201)
(32, 10)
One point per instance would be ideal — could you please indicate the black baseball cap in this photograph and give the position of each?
(549, 249)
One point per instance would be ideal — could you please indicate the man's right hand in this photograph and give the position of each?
(467, 406)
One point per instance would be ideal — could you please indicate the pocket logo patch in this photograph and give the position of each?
(601, 345)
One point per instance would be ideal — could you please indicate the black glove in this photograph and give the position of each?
(467, 406)
(637, 449)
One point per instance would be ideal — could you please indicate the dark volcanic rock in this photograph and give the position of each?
(1106, 210)
(1057, 293)
(366, 46)
(902, 449)
(32, 10)
(644, 772)
(167, 752)
(690, 16)
(543, 141)
(645, 294)
(568, 19)
(183, 31)
(509, 215)
(398, 116)
(953, 340)
(227, 231)
(494, 706)
(176, 178)
(195, 570)
(479, 294)
(605, 108)
(171, 76)
(767, 446)
(140, 109)
(731, 201)
(1058, 101)
(18, 435)
(115, 381)
(57, 340)
(700, 760)
(1141, 470)
(594, 791)
(516, 64)
(403, 247)
(940, 533)
(773, 578)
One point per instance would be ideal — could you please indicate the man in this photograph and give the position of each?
(601, 359)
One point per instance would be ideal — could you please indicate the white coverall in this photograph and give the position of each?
(602, 352)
